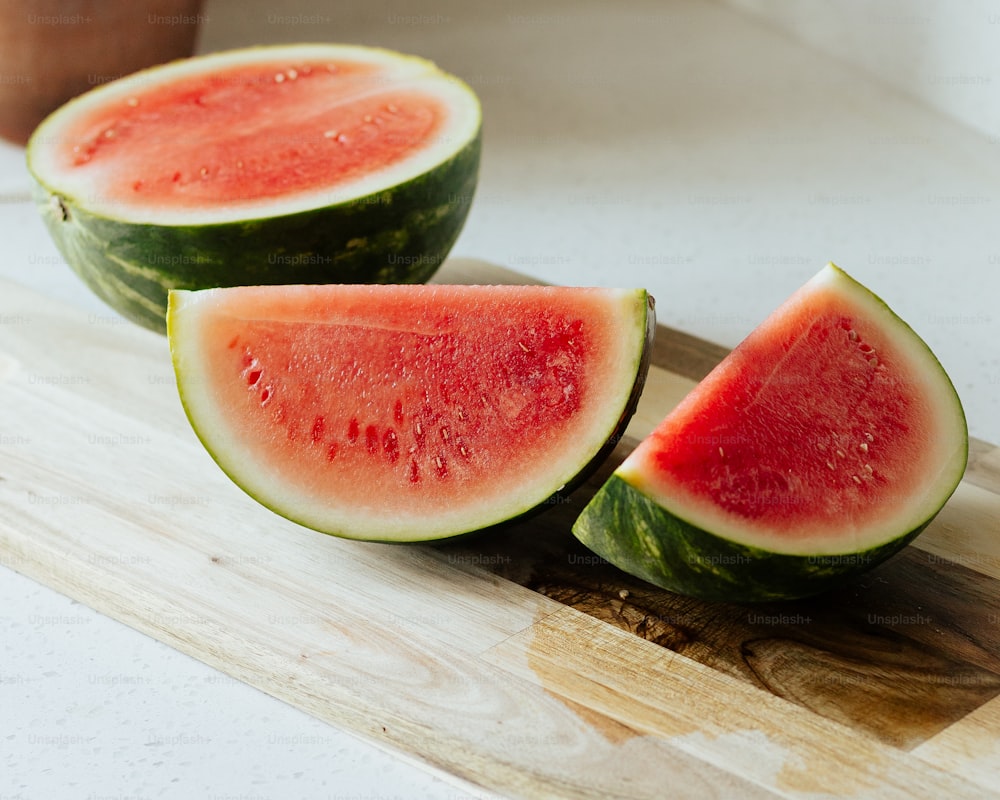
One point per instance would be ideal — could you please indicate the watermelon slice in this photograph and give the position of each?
(404, 413)
(820, 446)
(284, 164)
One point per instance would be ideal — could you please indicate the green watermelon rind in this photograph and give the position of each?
(397, 234)
(629, 529)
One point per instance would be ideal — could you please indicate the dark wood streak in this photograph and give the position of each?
(685, 355)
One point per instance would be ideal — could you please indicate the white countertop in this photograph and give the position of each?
(682, 147)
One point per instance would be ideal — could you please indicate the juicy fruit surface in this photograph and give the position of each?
(262, 130)
(819, 447)
(810, 436)
(406, 412)
(221, 135)
(830, 425)
(288, 164)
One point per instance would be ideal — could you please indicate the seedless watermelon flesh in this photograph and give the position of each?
(304, 163)
(827, 440)
(406, 413)
(250, 133)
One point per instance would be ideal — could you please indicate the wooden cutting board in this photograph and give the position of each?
(515, 661)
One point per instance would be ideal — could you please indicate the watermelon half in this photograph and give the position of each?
(827, 440)
(286, 164)
(405, 413)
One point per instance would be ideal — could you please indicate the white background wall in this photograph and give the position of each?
(945, 54)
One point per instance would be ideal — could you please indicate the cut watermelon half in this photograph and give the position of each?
(827, 440)
(406, 413)
(305, 163)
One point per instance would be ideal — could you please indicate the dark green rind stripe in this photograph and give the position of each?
(399, 235)
(627, 528)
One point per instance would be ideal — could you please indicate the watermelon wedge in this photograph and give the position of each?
(285, 164)
(827, 440)
(406, 413)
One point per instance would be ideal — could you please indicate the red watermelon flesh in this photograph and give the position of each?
(829, 426)
(407, 412)
(226, 134)
(823, 444)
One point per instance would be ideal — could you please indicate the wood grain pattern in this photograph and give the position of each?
(704, 712)
(900, 653)
(514, 660)
(984, 465)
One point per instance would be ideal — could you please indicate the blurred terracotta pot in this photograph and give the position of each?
(52, 50)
